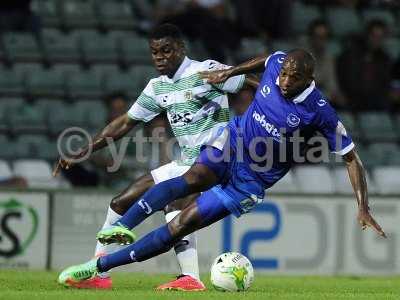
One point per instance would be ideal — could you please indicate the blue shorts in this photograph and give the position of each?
(211, 208)
(238, 189)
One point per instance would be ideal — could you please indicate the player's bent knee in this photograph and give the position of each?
(121, 203)
(177, 229)
(171, 208)
(199, 177)
(185, 223)
(181, 204)
(143, 183)
(194, 177)
(117, 206)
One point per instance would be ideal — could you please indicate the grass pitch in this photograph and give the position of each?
(43, 286)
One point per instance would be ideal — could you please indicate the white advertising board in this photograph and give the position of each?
(288, 234)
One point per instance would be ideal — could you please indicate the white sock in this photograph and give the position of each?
(186, 251)
(101, 249)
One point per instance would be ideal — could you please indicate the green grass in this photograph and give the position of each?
(43, 286)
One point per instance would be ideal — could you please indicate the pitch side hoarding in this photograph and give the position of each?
(24, 230)
(284, 234)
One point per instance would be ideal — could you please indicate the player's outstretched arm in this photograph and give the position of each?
(254, 65)
(115, 130)
(252, 81)
(358, 181)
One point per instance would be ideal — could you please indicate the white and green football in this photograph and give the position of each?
(232, 272)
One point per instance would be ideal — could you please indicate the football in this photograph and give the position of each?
(232, 272)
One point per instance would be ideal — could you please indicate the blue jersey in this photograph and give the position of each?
(271, 123)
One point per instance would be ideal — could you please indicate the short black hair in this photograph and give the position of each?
(166, 30)
(303, 57)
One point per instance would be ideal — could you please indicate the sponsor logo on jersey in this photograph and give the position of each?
(266, 90)
(270, 128)
(292, 120)
(207, 110)
(184, 118)
(180, 119)
(321, 102)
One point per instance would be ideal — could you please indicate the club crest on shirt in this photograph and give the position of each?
(292, 120)
(188, 95)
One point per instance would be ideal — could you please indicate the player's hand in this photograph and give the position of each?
(62, 164)
(366, 220)
(216, 76)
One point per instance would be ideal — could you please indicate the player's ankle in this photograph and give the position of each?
(103, 275)
(197, 277)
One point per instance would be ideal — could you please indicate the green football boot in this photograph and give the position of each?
(73, 276)
(116, 234)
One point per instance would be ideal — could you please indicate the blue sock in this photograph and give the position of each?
(152, 244)
(155, 199)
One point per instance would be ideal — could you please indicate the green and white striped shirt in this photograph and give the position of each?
(195, 109)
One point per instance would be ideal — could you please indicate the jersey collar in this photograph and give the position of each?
(185, 63)
(301, 97)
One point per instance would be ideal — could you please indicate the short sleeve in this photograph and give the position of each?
(233, 84)
(273, 63)
(328, 123)
(146, 107)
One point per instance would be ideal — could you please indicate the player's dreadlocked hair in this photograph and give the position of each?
(166, 30)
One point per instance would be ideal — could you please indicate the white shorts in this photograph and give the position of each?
(168, 171)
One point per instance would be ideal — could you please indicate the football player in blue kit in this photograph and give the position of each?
(255, 151)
